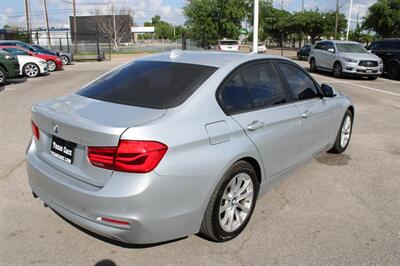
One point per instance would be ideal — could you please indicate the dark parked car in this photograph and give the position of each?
(389, 51)
(65, 56)
(9, 66)
(304, 52)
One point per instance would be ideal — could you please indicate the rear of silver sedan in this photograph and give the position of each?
(81, 164)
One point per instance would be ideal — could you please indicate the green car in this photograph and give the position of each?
(9, 66)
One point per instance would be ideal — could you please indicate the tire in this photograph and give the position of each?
(51, 65)
(337, 70)
(340, 146)
(372, 78)
(393, 70)
(3, 76)
(227, 215)
(313, 65)
(31, 70)
(64, 59)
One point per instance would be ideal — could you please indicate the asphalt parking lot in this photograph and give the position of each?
(337, 209)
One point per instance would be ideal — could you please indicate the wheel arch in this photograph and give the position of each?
(256, 165)
(2, 66)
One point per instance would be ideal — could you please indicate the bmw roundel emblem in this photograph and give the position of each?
(55, 128)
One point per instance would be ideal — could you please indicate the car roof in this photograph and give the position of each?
(207, 58)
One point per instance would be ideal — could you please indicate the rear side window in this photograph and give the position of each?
(320, 46)
(264, 85)
(151, 84)
(252, 87)
(301, 85)
(235, 96)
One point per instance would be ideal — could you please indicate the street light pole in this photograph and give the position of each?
(255, 27)
(47, 23)
(75, 30)
(349, 20)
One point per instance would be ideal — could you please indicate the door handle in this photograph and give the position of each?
(255, 125)
(306, 114)
(389, 54)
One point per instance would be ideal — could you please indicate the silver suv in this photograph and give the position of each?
(345, 58)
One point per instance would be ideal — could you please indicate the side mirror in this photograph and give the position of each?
(328, 91)
(331, 50)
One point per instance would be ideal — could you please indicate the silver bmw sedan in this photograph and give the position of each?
(178, 143)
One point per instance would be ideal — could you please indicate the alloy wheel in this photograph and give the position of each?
(51, 65)
(337, 70)
(345, 132)
(65, 60)
(31, 70)
(236, 202)
(2, 75)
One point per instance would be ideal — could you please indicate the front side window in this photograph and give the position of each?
(301, 85)
(151, 84)
(264, 85)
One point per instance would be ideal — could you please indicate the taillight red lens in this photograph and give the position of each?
(35, 130)
(130, 156)
(102, 156)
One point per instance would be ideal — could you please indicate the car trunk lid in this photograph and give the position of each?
(85, 122)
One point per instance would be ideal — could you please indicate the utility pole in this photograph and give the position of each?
(255, 27)
(302, 5)
(114, 24)
(47, 23)
(282, 33)
(349, 20)
(27, 17)
(75, 30)
(337, 19)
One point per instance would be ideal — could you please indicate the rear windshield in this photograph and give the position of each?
(351, 48)
(228, 42)
(151, 84)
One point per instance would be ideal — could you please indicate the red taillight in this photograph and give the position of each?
(35, 130)
(102, 156)
(130, 156)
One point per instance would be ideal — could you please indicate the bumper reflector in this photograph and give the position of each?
(113, 221)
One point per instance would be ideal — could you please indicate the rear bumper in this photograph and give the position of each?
(157, 208)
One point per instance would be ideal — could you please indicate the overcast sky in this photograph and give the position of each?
(12, 11)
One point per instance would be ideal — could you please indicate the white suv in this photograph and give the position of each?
(345, 58)
(228, 46)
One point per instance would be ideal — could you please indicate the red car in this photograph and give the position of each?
(53, 62)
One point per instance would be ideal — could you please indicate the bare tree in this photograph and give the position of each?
(114, 27)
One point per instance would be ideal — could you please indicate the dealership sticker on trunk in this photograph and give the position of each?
(62, 149)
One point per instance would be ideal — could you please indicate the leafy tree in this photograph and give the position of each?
(329, 23)
(383, 17)
(163, 29)
(210, 20)
(310, 23)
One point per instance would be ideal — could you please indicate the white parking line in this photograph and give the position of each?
(358, 85)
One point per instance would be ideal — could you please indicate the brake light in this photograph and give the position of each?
(130, 156)
(35, 130)
(102, 156)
